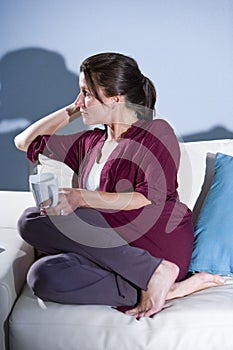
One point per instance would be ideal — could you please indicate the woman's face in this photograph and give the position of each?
(92, 110)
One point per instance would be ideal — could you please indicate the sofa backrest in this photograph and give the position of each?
(197, 168)
(12, 203)
(194, 178)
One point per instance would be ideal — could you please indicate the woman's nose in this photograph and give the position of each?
(79, 102)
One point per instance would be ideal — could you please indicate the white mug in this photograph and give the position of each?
(44, 187)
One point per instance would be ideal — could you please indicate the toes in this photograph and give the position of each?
(133, 312)
(152, 312)
(140, 311)
(137, 312)
(210, 278)
(219, 279)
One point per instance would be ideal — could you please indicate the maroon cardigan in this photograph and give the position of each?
(146, 160)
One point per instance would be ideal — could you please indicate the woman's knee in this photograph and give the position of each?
(25, 223)
(40, 278)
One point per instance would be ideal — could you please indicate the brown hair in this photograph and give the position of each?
(118, 74)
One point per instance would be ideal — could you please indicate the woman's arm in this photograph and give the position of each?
(46, 126)
(73, 198)
(115, 201)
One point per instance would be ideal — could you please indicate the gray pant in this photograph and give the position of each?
(75, 273)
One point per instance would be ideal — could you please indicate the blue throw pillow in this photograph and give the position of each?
(213, 244)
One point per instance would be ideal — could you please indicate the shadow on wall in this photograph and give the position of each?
(34, 82)
(216, 133)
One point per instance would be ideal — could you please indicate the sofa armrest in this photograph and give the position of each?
(16, 256)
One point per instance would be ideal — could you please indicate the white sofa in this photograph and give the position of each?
(203, 320)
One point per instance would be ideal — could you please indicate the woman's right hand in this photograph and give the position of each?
(73, 109)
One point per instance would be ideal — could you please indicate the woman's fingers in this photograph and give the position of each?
(62, 208)
(69, 200)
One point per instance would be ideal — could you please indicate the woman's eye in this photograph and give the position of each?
(86, 93)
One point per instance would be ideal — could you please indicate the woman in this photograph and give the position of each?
(120, 236)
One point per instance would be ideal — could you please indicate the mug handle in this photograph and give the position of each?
(53, 190)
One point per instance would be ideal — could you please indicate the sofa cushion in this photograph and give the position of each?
(213, 246)
(200, 321)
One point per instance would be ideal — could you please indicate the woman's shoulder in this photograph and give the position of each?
(161, 125)
(157, 127)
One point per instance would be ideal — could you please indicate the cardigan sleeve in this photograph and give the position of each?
(69, 149)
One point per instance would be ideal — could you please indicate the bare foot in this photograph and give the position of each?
(153, 299)
(195, 283)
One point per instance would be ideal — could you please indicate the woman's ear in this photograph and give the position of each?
(117, 99)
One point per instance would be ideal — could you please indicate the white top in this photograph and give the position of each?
(93, 179)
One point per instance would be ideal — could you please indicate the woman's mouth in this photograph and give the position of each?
(84, 114)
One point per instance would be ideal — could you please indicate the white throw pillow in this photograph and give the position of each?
(64, 172)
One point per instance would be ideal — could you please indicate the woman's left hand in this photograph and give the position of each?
(69, 200)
